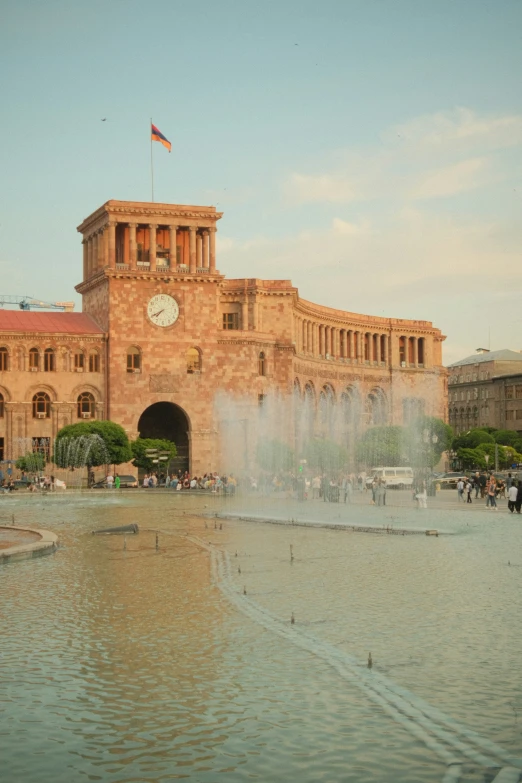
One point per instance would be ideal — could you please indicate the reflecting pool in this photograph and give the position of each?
(126, 663)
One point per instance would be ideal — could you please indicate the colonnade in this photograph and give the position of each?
(358, 346)
(115, 245)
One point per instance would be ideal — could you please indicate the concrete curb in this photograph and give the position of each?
(45, 546)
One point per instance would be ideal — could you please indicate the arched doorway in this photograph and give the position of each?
(169, 421)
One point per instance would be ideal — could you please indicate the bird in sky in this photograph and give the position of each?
(104, 119)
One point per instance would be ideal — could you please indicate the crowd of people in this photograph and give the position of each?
(491, 488)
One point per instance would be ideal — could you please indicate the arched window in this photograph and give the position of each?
(49, 360)
(376, 407)
(193, 357)
(327, 410)
(134, 360)
(4, 360)
(79, 361)
(1, 406)
(41, 406)
(261, 364)
(86, 406)
(94, 361)
(34, 359)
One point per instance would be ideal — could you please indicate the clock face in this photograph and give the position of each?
(163, 310)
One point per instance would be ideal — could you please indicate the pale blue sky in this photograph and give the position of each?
(377, 163)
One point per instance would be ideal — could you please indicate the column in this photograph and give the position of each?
(192, 249)
(152, 246)
(112, 244)
(244, 313)
(199, 251)
(351, 352)
(132, 245)
(205, 249)
(360, 347)
(255, 305)
(89, 255)
(415, 350)
(105, 237)
(173, 253)
(386, 349)
(95, 252)
(85, 259)
(212, 253)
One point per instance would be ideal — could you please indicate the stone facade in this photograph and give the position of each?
(249, 339)
(485, 390)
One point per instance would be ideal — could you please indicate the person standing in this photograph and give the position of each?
(483, 483)
(491, 499)
(460, 489)
(117, 482)
(512, 497)
(110, 481)
(518, 501)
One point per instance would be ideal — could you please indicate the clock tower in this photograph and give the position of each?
(150, 282)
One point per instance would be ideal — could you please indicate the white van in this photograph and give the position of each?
(394, 477)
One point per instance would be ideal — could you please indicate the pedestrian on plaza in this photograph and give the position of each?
(469, 487)
(117, 482)
(518, 502)
(476, 482)
(512, 497)
(483, 483)
(324, 487)
(491, 494)
(110, 481)
(316, 487)
(460, 489)
(422, 496)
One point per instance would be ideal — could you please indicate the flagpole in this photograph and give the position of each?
(151, 164)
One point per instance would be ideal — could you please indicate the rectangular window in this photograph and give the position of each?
(509, 392)
(518, 414)
(34, 358)
(230, 320)
(518, 392)
(4, 356)
(510, 415)
(78, 361)
(94, 362)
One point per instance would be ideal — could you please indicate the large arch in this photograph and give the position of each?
(169, 421)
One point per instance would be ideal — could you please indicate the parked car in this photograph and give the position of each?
(126, 482)
(395, 478)
(450, 481)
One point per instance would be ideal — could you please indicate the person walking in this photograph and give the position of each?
(117, 482)
(469, 487)
(483, 483)
(512, 497)
(491, 492)
(110, 481)
(518, 501)
(460, 489)
(476, 482)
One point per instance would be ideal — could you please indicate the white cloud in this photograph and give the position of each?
(301, 189)
(449, 180)
(350, 229)
(450, 128)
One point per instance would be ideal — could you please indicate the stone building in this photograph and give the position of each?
(163, 331)
(485, 390)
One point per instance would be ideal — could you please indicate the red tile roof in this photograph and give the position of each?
(59, 323)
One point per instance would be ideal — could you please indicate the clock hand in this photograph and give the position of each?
(158, 313)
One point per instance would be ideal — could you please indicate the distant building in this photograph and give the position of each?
(162, 331)
(485, 390)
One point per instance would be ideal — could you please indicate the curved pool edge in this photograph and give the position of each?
(47, 544)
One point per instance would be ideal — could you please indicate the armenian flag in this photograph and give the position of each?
(157, 135)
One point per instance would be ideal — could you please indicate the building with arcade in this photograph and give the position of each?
(163, 333)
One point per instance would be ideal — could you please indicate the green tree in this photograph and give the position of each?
(32, 462)
(274, 456)
(427, 439)
(142, 460)
(325, 456)
(111, 448)
(471, 458)
(503, 454)
(506, 437)
(382, 446)
(472, 439)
